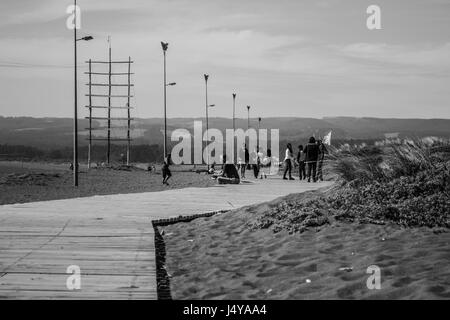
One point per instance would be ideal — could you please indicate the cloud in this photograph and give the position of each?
(284, 57)
(430, 56)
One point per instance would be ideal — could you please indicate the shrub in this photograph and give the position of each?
(407, 184)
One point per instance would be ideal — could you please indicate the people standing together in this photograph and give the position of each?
(309, 160)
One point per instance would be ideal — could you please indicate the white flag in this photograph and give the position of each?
(327, 139)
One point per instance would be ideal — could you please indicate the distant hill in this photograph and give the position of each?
(51, 133)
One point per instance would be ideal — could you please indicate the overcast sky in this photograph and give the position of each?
(284, 58)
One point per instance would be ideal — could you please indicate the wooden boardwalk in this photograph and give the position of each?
(109, 237)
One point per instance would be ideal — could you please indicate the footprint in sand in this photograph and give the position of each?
(349, 291)
(310, 268)
(404, 281)
(440, 291)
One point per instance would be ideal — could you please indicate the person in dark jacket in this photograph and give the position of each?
(322, 152)
(301, 156)
(165, 169)
(245, 164)
(312, 155)
(247, 158)
(230, 174)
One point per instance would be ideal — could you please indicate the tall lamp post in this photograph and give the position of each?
(248, 117)
(259, 126)
(164, 46)
(234, 112)
(75, 114)
(234, 124)
(207, 107)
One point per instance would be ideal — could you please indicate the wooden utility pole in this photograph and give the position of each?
(109, 105)
(90, 114)
(128, 110)
(108, 157)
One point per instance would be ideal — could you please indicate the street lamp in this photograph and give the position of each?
(234, 112)
(248, 117)
(87, 38)
(259, 126)
(75, 114)
(207, 107)
(234, 121)
(165, 46)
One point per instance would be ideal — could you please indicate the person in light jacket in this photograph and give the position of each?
(288, 159)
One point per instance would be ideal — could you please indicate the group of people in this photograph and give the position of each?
(230, 173)
(259, 162)
(309, 160)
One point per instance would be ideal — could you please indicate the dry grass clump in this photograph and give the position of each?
(407, 184)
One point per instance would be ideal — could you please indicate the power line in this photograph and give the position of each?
(23, 65)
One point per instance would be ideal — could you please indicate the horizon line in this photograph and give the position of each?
(238, 118)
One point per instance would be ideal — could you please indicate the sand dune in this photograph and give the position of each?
(219, 258)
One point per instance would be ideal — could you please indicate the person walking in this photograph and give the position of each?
(288, 159)
(322, 152)
(301, 156)
(311, 157)
(165, 169)
(247, 158)
(256, 162)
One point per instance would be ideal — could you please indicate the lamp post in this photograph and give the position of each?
(248, 117)
(234, 123)
(75, 114)
(207, 106)
(234, 112)
(164, 46)
(259, 126)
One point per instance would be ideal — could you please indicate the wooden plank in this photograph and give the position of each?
(109, 237)
(107, 286)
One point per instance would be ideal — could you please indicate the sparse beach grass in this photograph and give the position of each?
(389, 208)
(29, 182)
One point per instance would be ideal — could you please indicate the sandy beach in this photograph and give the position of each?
(38, 181)
(221, 258)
